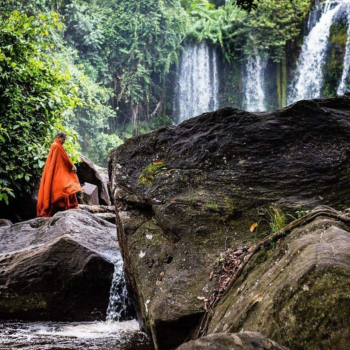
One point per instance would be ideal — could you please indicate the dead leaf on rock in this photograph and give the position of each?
(160, 278)
(253, 227)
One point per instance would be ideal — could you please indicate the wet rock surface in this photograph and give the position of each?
(236, 341)
(187, 193)
(57, 268)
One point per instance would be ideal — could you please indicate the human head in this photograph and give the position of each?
(61, 137)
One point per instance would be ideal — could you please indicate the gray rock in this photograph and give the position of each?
(91, 173)
(220, 173)
(107, 216)
(90, 194)
(235, 341)
(57, 268)
(5, 222)
(97, 208)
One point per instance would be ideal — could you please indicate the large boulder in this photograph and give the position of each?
(236, 341)
(57, 268)
(90, 173)
(297, 293)
(186, 193)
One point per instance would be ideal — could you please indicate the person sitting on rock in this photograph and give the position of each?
(59, 182)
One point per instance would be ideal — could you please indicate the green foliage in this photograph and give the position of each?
(121, 55)
(278, 219)
(4, 194)
(142, 41)
(213, 206)
(301, 212)
(266, 29)
(150, 172)
(33, 95)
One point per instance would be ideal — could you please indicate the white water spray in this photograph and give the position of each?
(344, 83)
(198, 86)
(253, 84)
(308, 80)
(119, 301)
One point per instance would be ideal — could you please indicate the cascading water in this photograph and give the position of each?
(308, 79)
(253, 84)
(197, 87)
(119, 301)
(112, 334)
(344, 83)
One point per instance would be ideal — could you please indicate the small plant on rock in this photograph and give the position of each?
(149, 173)
(300, 212)
(278, 219)
(213, 206)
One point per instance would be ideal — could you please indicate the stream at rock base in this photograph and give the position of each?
(110, 335)
(113, 334)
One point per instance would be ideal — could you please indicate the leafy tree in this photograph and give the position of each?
(142, 41)
(265, 29)
(33, 95)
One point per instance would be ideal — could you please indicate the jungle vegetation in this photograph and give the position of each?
(101, 68)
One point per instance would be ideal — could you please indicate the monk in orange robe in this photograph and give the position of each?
(59, 182)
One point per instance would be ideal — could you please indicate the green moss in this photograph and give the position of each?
(316, 318)
(19, 303)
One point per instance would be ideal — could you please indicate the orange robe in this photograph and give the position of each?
(58, 184)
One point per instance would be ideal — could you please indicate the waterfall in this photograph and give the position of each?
(197, 87)
(344, 83)
(119, 301)
(253, 84)
(308, 80)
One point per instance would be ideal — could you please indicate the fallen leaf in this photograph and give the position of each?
(173, 201)
(211, 275)
(158, 162)
(253, 227)
(201, 298)
(160, 278)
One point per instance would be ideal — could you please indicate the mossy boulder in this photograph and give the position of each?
(57, 269)
(219, 172)
(297, 293)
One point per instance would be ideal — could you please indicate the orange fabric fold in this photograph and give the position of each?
(58, 182)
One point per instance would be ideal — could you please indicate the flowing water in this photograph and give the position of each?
(345, 83)
(308, 77)
(112, 334)
(253, 84)
(197, 89)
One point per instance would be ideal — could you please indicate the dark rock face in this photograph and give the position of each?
(236, 341)
(57, 268)
(90, 173)
(219, 173)
(21, 208)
